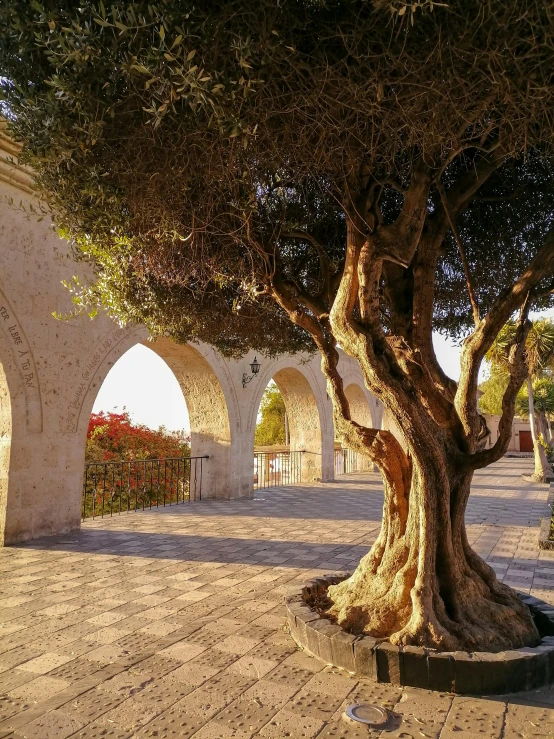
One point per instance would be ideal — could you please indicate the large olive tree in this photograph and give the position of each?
(319, 173)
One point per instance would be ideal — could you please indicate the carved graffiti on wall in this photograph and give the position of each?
(104, 347)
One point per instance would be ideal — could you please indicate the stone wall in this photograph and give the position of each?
(51, 371)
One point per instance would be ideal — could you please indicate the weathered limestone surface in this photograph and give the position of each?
(51, 371)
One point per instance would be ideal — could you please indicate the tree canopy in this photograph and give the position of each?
(180, 145)
(543, 398)
(539, 346)
(493, 389)
(539, 351)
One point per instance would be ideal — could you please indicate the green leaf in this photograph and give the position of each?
(140, 68)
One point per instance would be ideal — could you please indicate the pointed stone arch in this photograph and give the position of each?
(360, 409)
(207, 403)
(206, 392)
(371, 409)
(308, 411)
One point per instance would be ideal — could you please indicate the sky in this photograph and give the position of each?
(143, 383)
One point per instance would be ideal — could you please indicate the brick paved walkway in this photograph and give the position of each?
(170, 624)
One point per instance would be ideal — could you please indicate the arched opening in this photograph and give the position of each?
(272, 422)
(144, 385)
(303, 421)
(137, 452)
(153, 385)
(346, 460)
(274, 464)
(360, 410)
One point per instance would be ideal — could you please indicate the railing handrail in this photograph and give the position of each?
(157, 459)
(288, 471)
(347, 461)
(283, 451)
(110, 486)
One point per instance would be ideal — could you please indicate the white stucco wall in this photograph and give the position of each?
(519, 424)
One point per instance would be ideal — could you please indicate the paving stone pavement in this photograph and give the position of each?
(171, 624)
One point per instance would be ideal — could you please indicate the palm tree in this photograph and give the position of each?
(543, 404)
(539, 348)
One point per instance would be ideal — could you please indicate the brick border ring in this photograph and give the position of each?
(454, 672)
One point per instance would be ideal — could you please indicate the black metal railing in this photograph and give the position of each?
(272, 469)
(347, 460)
(116, 487)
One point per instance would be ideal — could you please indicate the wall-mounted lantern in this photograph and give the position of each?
(255, 368)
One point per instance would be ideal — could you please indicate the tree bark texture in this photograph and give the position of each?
(545, 426)
(421, 583)
(543, 470)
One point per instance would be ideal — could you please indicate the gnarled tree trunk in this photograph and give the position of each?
(421, 583)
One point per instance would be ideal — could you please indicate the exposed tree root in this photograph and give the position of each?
(432, 591)
(539, 477)
(481, 617)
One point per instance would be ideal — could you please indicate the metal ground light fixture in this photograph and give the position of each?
(255, 368)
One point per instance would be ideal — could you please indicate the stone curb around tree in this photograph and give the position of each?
(477, 673)
(545, 542)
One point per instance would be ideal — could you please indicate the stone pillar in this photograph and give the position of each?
(205, 381)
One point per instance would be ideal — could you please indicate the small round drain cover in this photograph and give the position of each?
(366, 713)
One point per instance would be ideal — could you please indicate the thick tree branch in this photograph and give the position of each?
(519, 370)
(300, 235)
(388, 363)
(424, 270)
(424, 267)
(397, 242)
(461, 250)
(460, 194)
(380, 446)
(479, 342)
(457, 197)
